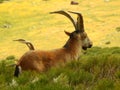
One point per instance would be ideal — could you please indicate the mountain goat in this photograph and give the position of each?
(40, 61)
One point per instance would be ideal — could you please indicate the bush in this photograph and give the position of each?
(98, 69)
(105, 84)
(3, 1)
(118, 29)
(80, 76)
(11, 57)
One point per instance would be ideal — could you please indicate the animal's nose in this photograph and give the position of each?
(90, 46)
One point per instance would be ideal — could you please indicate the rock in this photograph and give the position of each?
(74, 3)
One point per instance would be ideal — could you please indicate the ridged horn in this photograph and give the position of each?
(29, 44)
(80, 23)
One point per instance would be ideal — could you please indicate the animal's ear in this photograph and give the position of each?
(67, 33)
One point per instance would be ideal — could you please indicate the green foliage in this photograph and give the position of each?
(11, 57)
(80, 76)
(3, 1)
(105, 84)
(118, 29)
(97, 69)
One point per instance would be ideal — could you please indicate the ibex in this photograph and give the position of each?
(40, 61)
(28, 43)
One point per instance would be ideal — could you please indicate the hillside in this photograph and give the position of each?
(97, 69)
(30, 19)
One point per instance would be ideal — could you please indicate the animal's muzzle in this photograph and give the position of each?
(85, 48)
(90, 46)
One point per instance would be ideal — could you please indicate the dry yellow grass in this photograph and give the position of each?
(30, 19)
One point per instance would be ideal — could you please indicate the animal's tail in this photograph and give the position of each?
(17, 71)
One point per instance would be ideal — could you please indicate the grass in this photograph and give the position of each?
(98, 69)
(31, 20)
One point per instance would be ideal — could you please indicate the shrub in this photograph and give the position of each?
(98, 69)
(118, 29)
(3, 1)
(104, 84)
(11, 57)
(80, 76)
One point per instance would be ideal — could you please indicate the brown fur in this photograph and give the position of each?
(42, 60)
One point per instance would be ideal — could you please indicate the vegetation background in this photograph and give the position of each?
(98, 69)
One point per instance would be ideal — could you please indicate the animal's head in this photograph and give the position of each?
(79, 32)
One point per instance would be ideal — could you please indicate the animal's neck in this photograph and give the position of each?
(73, 47)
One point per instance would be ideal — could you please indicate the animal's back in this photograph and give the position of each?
(41, 60)
(31, 61)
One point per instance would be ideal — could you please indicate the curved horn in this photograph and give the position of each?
(80, 23)
(29, 44)
(20, 40)
(67, 15)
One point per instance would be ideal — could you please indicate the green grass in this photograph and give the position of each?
(97, 69)
(1, 1)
